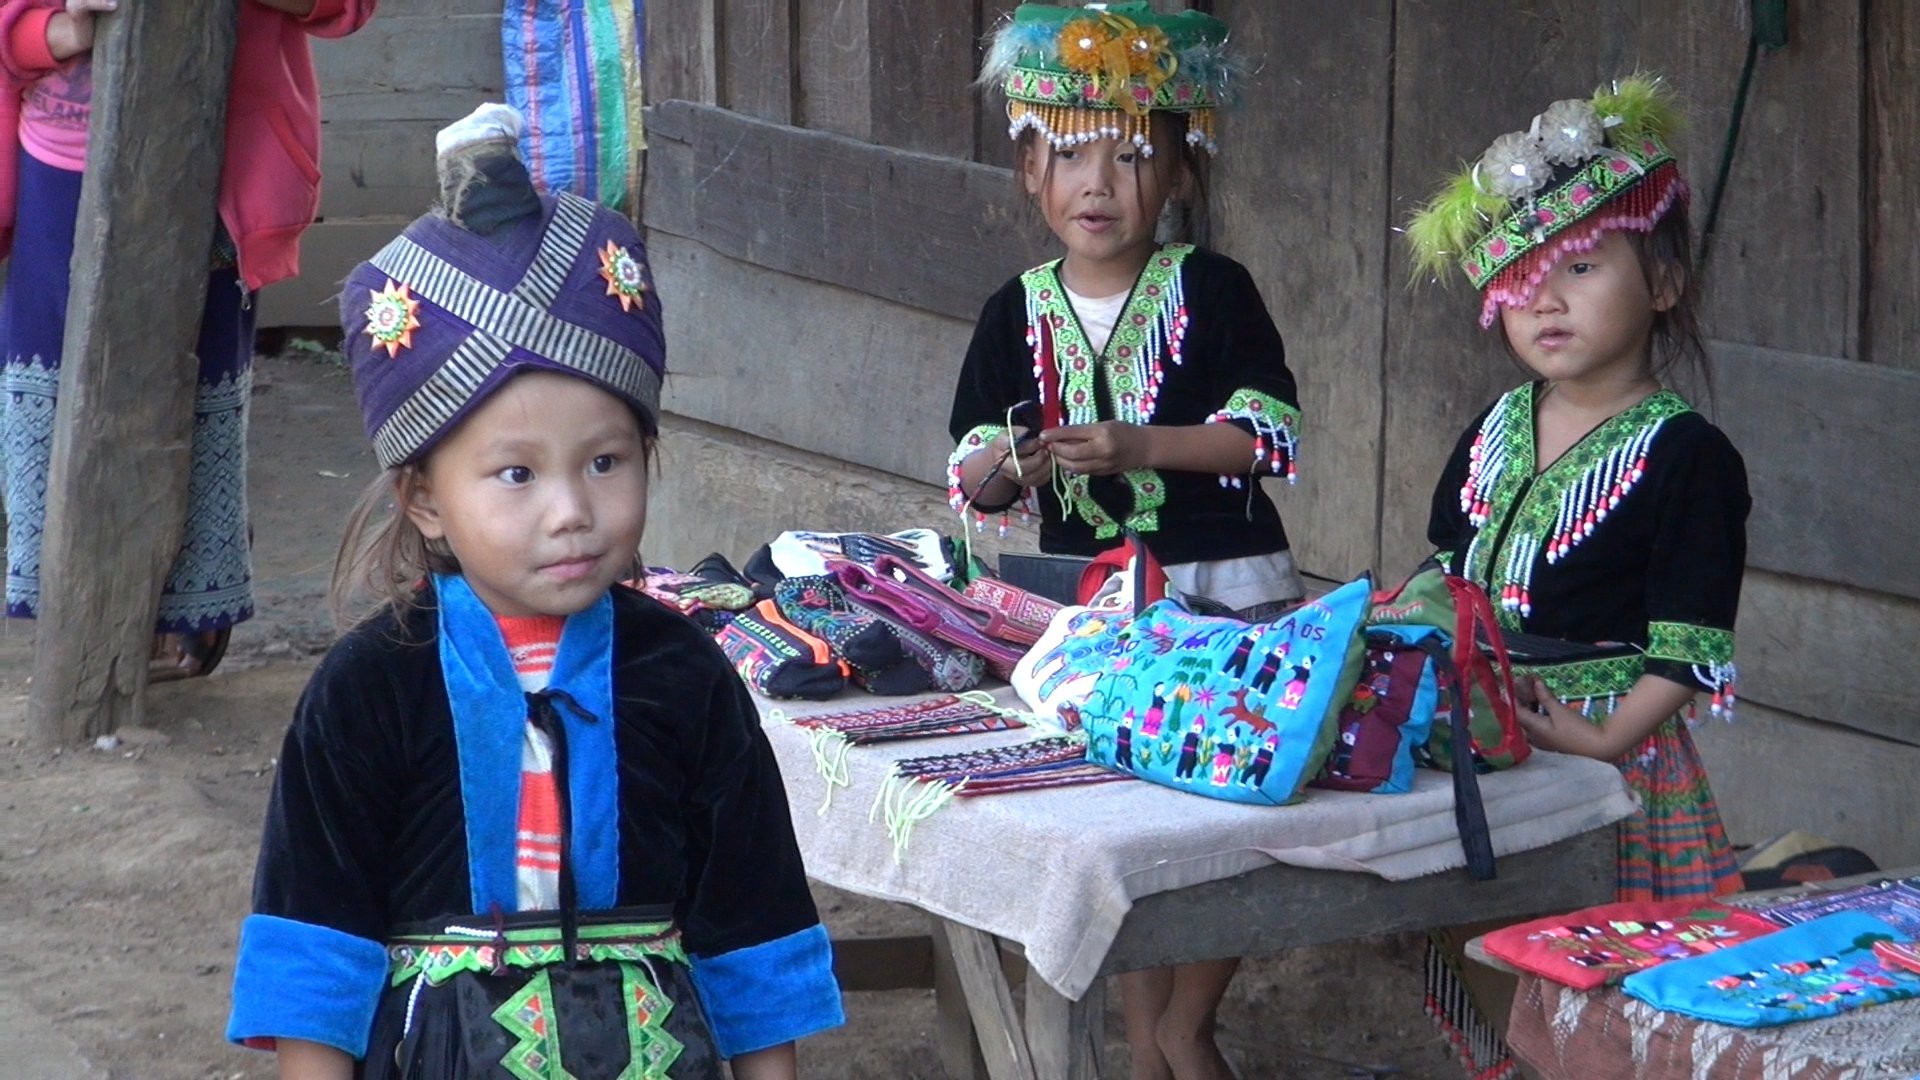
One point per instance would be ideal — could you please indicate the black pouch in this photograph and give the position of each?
(1056, 577)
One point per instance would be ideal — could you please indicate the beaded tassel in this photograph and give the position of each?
(1166, 339)
(1036, 341)
(1486, 459)
(1517, 593)
(1597, 492)
(1274, 445)
(1721, 678)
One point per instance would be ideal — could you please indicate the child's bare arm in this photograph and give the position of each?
(312, 1061)
(1552, 725)
(773, 1063)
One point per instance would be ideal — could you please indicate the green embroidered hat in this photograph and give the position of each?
(1080, 73)
(1584, 167)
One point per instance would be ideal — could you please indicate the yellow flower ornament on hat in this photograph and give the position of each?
(1076, 74)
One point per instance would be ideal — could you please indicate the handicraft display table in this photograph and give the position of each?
(1091, 881)
(1568, 1034)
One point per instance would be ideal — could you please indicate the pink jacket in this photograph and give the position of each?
(270, 181)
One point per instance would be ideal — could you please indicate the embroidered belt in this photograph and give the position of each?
(479, 949)
(526, 1029)
(1585, 680)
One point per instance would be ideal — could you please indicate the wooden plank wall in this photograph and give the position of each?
(1297, 197)
(844, 160)
(1891, 330)
(384, 91)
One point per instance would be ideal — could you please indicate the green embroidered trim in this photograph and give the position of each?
(441, 957)
(1508, 430)
(650, 1050)
(1264, 410)
(1134, 344)
(1551, 212)
(1701, 646)
(1534, 519)
(971, 442)
(1115, 382)
(528, 1016)
(1042, 87)
(1584, 680)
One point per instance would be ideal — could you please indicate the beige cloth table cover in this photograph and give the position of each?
(1057, 870)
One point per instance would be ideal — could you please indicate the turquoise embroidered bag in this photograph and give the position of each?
(1803, 972)
(1224, 708)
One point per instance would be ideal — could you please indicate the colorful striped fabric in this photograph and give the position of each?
(1675, 846)
(573, 70)
(533, 642)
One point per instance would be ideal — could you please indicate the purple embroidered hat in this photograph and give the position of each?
(497, 280)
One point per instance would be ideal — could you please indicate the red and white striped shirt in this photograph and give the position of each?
(532, 643)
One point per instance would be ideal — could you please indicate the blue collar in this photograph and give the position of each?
(489, 725)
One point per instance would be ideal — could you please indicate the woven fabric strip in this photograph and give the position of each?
(573, 69)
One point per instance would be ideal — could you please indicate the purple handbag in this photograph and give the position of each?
(942, 613)
(917, 622)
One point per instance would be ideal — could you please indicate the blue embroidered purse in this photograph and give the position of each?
(1803, 972)
(1224, 708)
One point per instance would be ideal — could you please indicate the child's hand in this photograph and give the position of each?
(1031, 464)
(70, 32)
(1102, 449)
(1552, 725)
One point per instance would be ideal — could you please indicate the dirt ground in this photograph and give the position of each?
(125, 871)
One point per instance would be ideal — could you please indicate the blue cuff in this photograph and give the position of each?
(295, 980)
(765, 995)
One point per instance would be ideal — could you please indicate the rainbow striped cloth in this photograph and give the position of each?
(573, 70)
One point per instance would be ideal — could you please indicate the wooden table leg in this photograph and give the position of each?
(1066, 1037)
(959, 1050)
(976, 960)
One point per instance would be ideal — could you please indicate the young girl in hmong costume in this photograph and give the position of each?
(1145, 384)
(1594, 504)
(525, 822)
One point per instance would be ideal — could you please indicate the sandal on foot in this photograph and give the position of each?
(195, 656)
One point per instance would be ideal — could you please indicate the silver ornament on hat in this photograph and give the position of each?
(1513, 167)
(1569, 132)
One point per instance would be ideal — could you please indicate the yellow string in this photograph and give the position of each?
(1012, 450)
(830, 750)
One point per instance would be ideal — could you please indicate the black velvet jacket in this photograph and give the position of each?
(1659, 570)
(365, 828)
(1231, 345)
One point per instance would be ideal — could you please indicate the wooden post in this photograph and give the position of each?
(959, 1051)
(976, 960)
(122, 444)
(1066, 1038)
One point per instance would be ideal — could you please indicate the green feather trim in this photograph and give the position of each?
(1644, 106)
(1442, 230)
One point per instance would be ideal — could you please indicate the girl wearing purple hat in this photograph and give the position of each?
(525, 822)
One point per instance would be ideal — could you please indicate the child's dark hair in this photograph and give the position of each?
(1666, 259)
(1666, 263)
(384, 557)
(1169, 145)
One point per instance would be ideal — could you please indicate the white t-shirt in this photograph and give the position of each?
(1238, 584)
(1097, 315)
